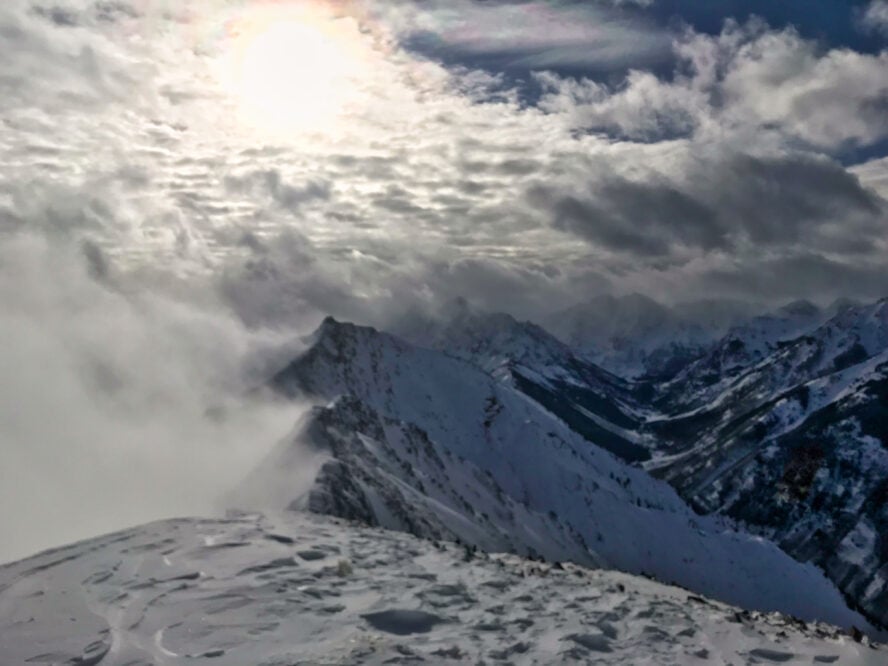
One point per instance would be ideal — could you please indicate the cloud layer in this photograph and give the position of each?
(748, 80)
(529, 35)
(441, 178)
(118, 407)
(875, 17)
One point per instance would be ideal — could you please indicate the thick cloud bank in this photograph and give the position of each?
(436, 168)
(117, 408)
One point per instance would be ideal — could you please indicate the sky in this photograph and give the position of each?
(356, 156)
(184, 185)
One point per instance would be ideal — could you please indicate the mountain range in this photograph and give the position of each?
(421, 441)
(777, 428)
(743, 458)
(791, 441)
(779, 424)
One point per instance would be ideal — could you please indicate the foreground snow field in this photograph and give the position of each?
(305, 589)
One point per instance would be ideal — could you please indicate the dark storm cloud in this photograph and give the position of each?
(786, 276)
(722, 204)
(777, 201)
(643, 218)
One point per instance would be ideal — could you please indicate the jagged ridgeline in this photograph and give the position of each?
(424, 442)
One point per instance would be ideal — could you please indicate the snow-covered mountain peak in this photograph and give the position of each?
(800, 308)
(741, 348)
(867, 323)
(430, 444)
(334, 334)
(843, 303)
(593, 402)
(635, 336)
(493, 341)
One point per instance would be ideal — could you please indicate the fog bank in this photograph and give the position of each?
(118, 407)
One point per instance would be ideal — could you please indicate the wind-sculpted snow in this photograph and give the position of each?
(426, 443)
(308, 590)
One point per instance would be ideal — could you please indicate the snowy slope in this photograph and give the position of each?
(742, 348)
(795, 445)
(309, 590)
(498, 343)
(596, 404)
(430, 444)
(841, 348)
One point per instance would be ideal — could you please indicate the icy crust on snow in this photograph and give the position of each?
(308, 590)
(428, 444)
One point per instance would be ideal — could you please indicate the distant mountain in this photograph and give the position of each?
(634, 336)
(732, 430)
(744, 345)
(790, 435)
(416, 440)
(302, 590)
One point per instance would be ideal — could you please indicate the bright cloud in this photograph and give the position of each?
(875, 16)
(203, 141)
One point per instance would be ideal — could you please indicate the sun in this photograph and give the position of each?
(293, 72)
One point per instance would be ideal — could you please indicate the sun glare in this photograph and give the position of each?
(293, 73)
